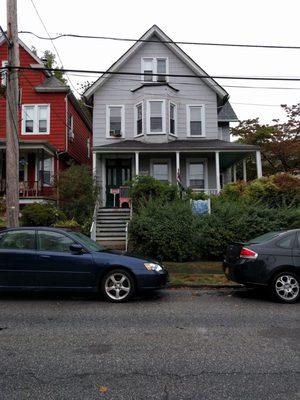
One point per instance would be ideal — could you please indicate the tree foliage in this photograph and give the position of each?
(279, 142)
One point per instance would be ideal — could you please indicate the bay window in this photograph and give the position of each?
(36, 119)
(195, 120)
(139, 119)
(156, 116)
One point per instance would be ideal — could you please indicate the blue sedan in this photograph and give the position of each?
(58, 259)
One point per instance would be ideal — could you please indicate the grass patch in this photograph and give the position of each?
(197, 273)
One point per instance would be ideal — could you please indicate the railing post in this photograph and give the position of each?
(217, 161)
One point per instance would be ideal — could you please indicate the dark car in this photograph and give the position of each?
(57, 259)
(271, 260)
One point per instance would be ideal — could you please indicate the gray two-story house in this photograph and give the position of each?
(157, 112)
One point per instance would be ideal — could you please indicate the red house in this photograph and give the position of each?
(53, 128)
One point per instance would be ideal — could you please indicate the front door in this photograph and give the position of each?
(118, 171)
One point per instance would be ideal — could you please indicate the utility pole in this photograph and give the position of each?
(12, 120)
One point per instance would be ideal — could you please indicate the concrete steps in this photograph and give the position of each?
(111, 227)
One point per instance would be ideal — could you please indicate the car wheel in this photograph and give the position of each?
(286, 287)
(117, 286)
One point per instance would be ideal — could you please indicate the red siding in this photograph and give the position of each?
(77, 148)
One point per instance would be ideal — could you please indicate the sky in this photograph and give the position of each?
(231, 21)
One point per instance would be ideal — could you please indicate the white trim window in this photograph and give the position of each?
(161, 170)
(70, 126)
(156, 116)
(138, 119)
(172, 117)
(196, 174)
(195, 120)
(151, 65)
(36, 119)
(4, 73)
(115, 121)
(46, 171)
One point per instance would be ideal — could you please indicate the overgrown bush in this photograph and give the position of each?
(41, 215)
(71, 224)
(280, 190)
(77, 193)
(144, 188)
(164, 230)
(239, 221)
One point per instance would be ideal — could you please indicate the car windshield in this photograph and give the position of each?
(89, 243)
(264, 238)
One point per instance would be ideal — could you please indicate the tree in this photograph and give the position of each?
(77, 193)
(279, 142)
(49, 59)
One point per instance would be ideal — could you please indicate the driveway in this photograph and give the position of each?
(180, 344)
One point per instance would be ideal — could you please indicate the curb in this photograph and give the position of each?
(204, 286)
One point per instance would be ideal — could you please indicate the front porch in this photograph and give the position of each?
(202, 170)
(36, 171)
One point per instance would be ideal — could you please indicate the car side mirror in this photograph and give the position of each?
(76, 248)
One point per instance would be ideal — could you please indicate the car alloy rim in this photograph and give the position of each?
(117, 286)
(287, 287)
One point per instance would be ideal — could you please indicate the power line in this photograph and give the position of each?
(49, 38)
(72, 35)
(108, 72)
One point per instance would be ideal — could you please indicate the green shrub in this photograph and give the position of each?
(41, 215)
(144, 188)
(280, 190)
(77, 193)
(239, 221)
(164, 230)
(71, 223)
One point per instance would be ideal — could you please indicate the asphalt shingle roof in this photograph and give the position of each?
(226, 113)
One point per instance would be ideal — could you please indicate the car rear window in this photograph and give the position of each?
(264, 238)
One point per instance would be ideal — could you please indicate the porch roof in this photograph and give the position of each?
(176, 145)
(32, 145)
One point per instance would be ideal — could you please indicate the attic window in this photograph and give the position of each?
(154, 66)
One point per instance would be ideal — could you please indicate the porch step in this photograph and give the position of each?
(111, 227)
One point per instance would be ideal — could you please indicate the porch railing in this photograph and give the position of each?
(209, 192)
(93, 230)
(29, 189)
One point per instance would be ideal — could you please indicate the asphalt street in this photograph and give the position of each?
(178, 344)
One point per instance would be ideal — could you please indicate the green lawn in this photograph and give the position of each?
(196, 273)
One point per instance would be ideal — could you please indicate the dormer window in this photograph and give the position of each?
(154, 66)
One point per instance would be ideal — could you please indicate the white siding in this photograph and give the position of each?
(117, 90)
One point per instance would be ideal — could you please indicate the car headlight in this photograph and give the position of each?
(153, 267)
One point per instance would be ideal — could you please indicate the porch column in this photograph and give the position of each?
(244, 170)
(177, 167)
(217, 160)
(95, 166)
(137, 163)
(258, 164)
(234, 172)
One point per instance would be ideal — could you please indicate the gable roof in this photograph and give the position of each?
(226, 113)
(155, 30)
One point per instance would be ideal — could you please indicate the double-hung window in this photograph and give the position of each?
(153, 66)
(156, 116)
(160, 170)
(4, 73)
(172, 119)
(195, 178)
(195, 120)
(115, 121)
(36, 119)
(70, 127)
(139, 119)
